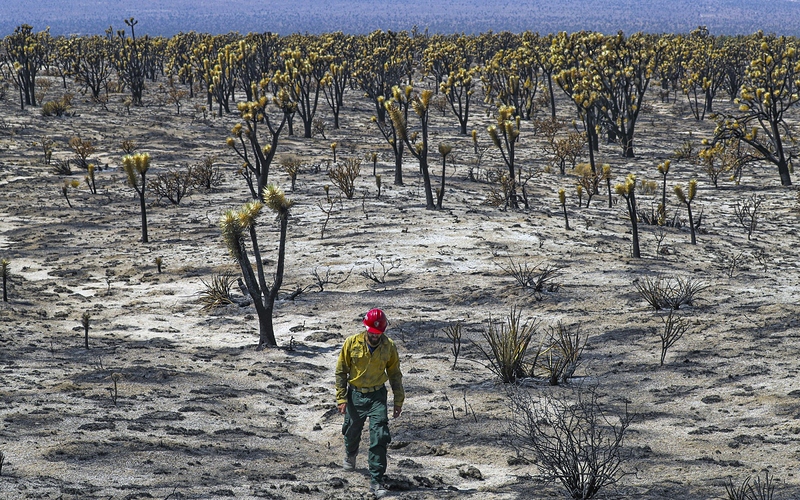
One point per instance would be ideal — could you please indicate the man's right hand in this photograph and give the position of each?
(342, 407)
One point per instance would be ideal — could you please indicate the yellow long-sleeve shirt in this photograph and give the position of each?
(360, 368)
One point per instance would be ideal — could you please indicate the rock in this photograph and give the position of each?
(470, 472)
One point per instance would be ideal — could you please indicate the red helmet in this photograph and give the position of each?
(376, 321)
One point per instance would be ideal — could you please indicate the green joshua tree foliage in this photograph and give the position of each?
(26, 52)
(505, 136)
(562, 198)
(771, 88)
(245, 140)
(418, 148)
(340, 49)
(130, 56)
(304, 75)
(388, 129)
(627, 190)
(90, 62)
(236, 226)
(136, 167)
(385, 60)
(686, 199)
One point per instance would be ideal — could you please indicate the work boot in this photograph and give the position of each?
(349, 462)
(378, 490)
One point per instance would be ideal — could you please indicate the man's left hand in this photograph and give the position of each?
(397, 411)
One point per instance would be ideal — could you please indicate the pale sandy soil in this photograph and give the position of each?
(200, 414)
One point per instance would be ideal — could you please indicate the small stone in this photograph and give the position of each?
(470, 472)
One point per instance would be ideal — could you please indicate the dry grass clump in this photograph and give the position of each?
(669, 292)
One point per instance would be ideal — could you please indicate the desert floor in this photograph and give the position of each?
(199, 413)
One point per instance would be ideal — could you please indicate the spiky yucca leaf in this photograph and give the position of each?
(231, 231)
(276, 200)
(445, 148)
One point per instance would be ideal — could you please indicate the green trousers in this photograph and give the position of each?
(371, 405)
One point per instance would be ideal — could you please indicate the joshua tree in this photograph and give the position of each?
(130, 60)
(385, 60)
(26, 53)
(505, 136)
(235, 224)
(458, 91)
(304, 76)
(65, 187)
(245, 140)
(89, 178)
(769, 91)
(562, 198)
(444, 150)
(607, 177)
(418, 148)
(627, 190)
(389, 130)
(136, 167)
(686, 199)
(85, 323)
(340, 48)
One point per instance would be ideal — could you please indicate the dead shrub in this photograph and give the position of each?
(83, 149)
(59, 107)
(501, 189)
(291, 165)
(747, 213)
(173, 185)
(537, 278)
(453, 332)
(379, 276)
(206, 175)
(344, 175)
(574, 441)
(674, 328)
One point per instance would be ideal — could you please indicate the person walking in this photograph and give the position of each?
(367, 360)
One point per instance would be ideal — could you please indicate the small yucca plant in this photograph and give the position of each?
(562, 198)
(508, 344)
(686, 199)
(627, 190)
(85, 323)
(136, 167)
